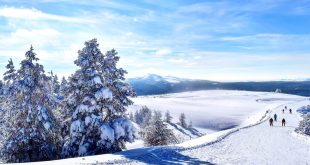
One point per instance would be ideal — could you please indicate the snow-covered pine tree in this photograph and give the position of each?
(62, 109)
(97, 96)
(54, 89)
(8, 86)
(1, 88)
(63, 86)
(143, 116)
(168, 117)
(121, 91)
(33, 134)
(190, 125)
(131, 116)
(6, 111)
(115, 81)
(10, 74)
(55, 86)
(69, 92)
(156, 132)
(182, 120)
(304, 125)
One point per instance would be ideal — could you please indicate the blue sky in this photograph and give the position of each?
(217, 40)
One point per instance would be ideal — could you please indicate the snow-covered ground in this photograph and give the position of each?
(253, 141)
(214, 109)
(260, 144)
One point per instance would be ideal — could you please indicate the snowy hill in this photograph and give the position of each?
(252, 141)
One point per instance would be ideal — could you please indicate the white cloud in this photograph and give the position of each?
(22, 38)
(163, 52)
(24, 33)
(34, 14)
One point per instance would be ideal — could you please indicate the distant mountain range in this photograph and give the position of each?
(154, 84)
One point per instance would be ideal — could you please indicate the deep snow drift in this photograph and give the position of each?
(252, 142)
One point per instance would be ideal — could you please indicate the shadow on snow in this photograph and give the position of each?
(158, 155)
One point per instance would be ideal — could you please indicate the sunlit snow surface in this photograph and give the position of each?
(252, 141)
(214, 109)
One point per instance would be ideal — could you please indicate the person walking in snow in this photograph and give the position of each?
(282, 110)
(290, 111)
(275, 117)
(283, 122)
(271, 121)
(285, 107)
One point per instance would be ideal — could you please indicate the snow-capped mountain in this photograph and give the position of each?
(151, 78)
(155, 84)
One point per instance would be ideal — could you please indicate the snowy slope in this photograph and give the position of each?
(261, 144)
(252, 142)
(182, 135)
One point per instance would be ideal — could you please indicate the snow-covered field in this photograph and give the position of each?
(214, 109)
(252, 141)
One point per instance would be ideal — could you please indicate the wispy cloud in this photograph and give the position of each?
(200, 39)
(34, 14)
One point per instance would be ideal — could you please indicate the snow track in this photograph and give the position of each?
(260, 144)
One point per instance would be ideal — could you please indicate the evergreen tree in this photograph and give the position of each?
(63, 86)
(304, 125)
(64, 110)
(168, 117)
(143, 116)
(10, 74)
(55, 86)
(33, 135)
(97, 97)
(115, 81)
(69, 92)
(156, 132)
(182, 120)
(131, 116)
(2, 88)
(190, 125)
(6, 111)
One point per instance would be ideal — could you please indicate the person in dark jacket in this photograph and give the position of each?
(275, 117)
(290, 111)
(271, 121)
(283, 122)
(282, 110)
